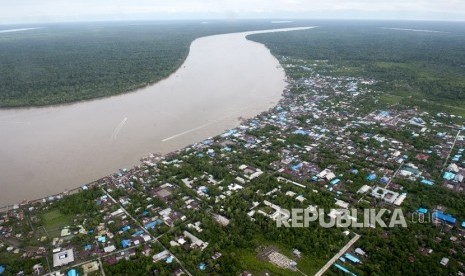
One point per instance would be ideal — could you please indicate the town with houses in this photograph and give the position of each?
(332, 142)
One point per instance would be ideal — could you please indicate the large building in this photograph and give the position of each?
(63, 257)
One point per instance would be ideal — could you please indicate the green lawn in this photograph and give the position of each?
(252, 264)
(390, 99)
(248, 258)
(53, 221)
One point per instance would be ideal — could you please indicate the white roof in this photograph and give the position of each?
(62, 258)
(109, 249)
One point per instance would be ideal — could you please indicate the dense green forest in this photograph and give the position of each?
(72, 62)
(426, 63)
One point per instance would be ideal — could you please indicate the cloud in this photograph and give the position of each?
(23, 11)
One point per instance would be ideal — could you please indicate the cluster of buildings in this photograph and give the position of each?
(326, 138)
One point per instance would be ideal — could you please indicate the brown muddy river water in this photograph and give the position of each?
(44, 151)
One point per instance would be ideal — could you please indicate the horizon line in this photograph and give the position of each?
(291, 20)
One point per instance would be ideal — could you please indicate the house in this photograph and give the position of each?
(109, 249)
(444, 217)
(196, 242)
(72, 272)
(448, 176)
(37, 270)
(363, 189)
(371, 177)
(90, 267)
(221, 219)
(400, 199)
(351, 258)
(300, 198)
(160, 256)
(345, 270)
(427, 182)
(359, 251)
(342, 204)
(249, 172)
(125, 243)
(296, 253)
(444, 261)
(422, 210)
(453, 168)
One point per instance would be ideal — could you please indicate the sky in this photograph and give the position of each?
(41, 11)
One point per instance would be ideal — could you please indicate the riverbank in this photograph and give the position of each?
(48, 150)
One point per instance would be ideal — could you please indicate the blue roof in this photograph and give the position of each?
(342, 259)
(125, 243)
(351, 258)
(383, 114)
(422, 210)
(87, 247)
(340, 267)
(448, 176)
(138, 233)
(296, 167)
(447, 218)
(125, 228)
(427, 182)
(335, 181)
(73, 272)
(102, 239)
(229, 132)
(151, 225)
(207, 142)
(463, 224)
(354, 171)
(384, 180)
(371, 176)
(301, 132)
(2, 269)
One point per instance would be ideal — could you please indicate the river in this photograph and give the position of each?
(46, 150)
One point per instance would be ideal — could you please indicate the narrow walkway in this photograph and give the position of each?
(338, 255)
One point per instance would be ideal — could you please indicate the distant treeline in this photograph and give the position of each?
(72, 62)
(423, 63)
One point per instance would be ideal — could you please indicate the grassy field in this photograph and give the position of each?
(390, 99)
(251, 262)
(53, 221)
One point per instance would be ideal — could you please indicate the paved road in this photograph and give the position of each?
(394, 175)
(338, 255)
(451, 149)
(147, 231)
